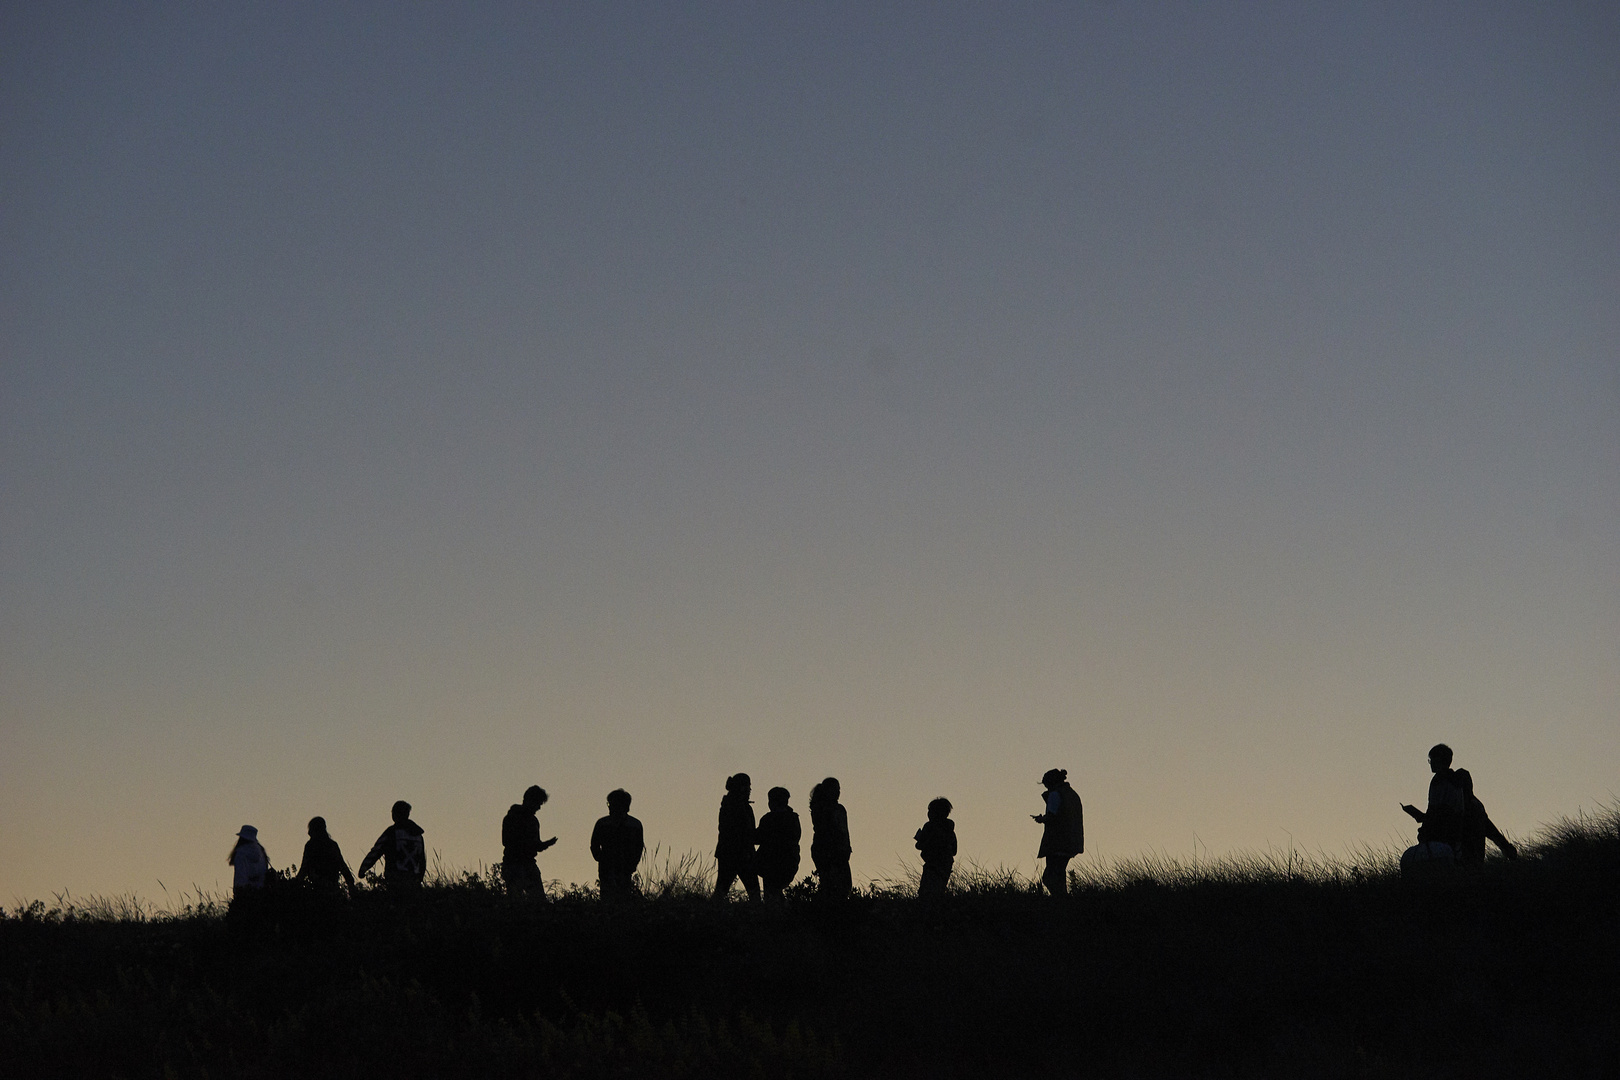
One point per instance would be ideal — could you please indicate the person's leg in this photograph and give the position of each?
(774, 886)
(1056, 878)
(750, 882)
(843, 882)
(725, 873)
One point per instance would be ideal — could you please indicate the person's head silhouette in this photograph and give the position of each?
(1054, 778)
(939, 809)
(778, 798)
(1439, 757)
(618, 801)
(740, 785)
(402, 811)
(534, 798)
(317, 826)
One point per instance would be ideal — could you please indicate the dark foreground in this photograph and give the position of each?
(1511, 971)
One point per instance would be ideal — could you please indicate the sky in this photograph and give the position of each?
(1218, 401)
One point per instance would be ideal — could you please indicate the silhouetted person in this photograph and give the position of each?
(1065, 834)
(249, 860)
(323, 861)
(616, 845)
(1440, 826)
(401, 849)
(1477, 827)
(778, 837)
(937, 842)
(734, 854)
(829, 840)
(520, 839)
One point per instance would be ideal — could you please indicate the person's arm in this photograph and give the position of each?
(375, 853)
(596, 840)
(1417, 815)
(1494, 835)
(343, 864)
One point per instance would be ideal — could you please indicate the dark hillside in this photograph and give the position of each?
(1507, 972)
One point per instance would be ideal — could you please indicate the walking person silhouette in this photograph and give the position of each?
(401, 849)
(829, 843)
(323, 861)
(778, 835)
(1064, 835)
(734, 854)
(616, 844)
(249, 860)
(520, 841)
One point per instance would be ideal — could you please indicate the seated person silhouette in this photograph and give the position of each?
(616, 845)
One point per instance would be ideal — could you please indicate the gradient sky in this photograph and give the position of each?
(1221, 401)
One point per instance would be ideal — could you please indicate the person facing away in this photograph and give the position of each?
(734, 854)
(1064, 835)
(778, 837)
(937, 842)
(1477, 827)
(401, 849)
(1442, 822)
(323, 861)
(520, 841)
(616, 845)
(249, 860)
(829, 843)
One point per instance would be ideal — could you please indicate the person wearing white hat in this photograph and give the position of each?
(249, 860)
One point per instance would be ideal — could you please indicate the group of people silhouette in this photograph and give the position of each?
(1455, 826)
(764, 855)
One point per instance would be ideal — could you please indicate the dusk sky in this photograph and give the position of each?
(1219, 401)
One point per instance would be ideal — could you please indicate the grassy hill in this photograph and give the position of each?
(1259, 967)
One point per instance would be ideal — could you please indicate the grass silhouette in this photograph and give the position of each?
(1249, 965)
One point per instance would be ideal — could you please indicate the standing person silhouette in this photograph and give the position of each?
(1440, 826)
(778, 835)
(401, 849)
(829, 844)
(323, 860)
(734, 854)
(937, 842)
(1477, 827)
(250, 861)
(520, 839)
(616, 845)
(1064, 835)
